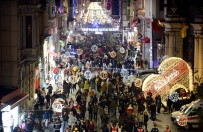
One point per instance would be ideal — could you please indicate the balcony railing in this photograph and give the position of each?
(29, 53)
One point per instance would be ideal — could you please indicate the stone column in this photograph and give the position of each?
(200, 58)
(172, 30)
(179, 45)
(171, 44)
(198, 50)
(166, 43)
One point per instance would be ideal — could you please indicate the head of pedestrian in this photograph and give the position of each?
(167, 128)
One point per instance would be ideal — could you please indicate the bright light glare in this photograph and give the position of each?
(95, 13)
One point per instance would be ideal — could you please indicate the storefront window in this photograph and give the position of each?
(7, 120)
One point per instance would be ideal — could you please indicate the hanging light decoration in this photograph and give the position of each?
(79, 51)
(112, 54)
(96, 14)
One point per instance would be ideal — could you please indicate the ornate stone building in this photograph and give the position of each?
(183, 32)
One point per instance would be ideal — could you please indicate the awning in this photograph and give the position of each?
(146, 40)
(17, 100)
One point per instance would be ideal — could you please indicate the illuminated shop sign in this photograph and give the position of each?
(100, 29)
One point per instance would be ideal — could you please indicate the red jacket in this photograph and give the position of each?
(167, 130)
(56, 71)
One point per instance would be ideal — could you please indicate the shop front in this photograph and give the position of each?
(48, 58)
(10, 107)
(174, 76)
(37, 78)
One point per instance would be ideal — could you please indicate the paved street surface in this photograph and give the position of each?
(163, 119)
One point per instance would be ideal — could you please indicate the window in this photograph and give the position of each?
(161, 5)
(28, 31)
(193, 112)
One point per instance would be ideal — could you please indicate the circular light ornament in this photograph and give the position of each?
(138, 82)
(79, 51)
(122, 50)
(58, 104)
(88, 74)
(103, 75)
(94, 48)
(174, 96)
(124, 73)
(112, 54)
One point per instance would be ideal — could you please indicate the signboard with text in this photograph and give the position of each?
(172, 72)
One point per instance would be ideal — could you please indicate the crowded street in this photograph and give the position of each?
(94, 90)
(101, 66)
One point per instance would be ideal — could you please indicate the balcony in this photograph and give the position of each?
(30, 53)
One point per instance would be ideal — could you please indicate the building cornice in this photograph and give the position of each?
(173, 27)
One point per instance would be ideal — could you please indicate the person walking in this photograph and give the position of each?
(50, 89)
(158, 103)
(65, 120)
(153, 111)
(146, 118)
(11, 123)
(154, 129)
(169, 105)
(57, 125)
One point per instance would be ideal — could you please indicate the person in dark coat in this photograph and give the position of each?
(158, 103)
(146, 118)
(29, 125)
(50, 89)
(17, 129)
(153, 111)
(90, 110)
(169, 105)
(65, 119)
(192, 96)
(48, 99)
(104, 128)
(57, 125)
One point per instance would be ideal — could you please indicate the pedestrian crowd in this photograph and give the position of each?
(77, 103)
(98, 104)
